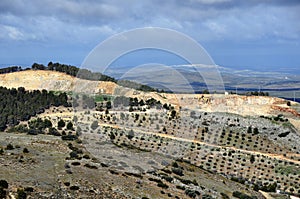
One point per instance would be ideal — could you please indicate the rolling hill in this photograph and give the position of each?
(177, 146)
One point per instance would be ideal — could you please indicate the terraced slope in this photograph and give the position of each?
(222, 144)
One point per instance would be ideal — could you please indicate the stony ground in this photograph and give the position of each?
(215, 145)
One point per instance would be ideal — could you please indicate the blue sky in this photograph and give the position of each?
(253, 34)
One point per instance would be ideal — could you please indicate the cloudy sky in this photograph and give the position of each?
(242, 34)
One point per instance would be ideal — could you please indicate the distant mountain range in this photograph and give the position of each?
(186, 78)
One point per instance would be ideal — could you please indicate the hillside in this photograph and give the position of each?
(57, 81)
(52, 80)
(158, 145)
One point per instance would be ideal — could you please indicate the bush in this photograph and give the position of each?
(75, 163)
(255, 131)
(25, 150)
(67, 183)
(269, 188)
(70, 126)
(3, 193)
(252, 159)
(175, 164)
(73, 155)
(28, 189)
(281, 135)
(224, 196)
(69, 137)
(9, 147)
(21, 194)
(180, 187)
(206, 196)
(130, 134)
(61, 123)
(240, 195)
(162, 185)
(191, 193)
(177, 171)
(91, 166)
(74, 188)
(3, 184)
(94, 125)
(167, 178)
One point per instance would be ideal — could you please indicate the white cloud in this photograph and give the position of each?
(11, 32)
(202, 19)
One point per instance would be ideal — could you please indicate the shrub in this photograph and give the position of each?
(28, 189)
(206, 196)
(180, 187)
(177, 171)
(75, 163)
(69, 137)
(130, 134)
(21, 194)
(70, 126)
(94, 125)
(61, 123)
(9, 147)
(91, 166)
(240, 195)
(252, 159)
(67, 183)
(3, 184)
(3, 193)
(255, 131)
(167, 178)
(281, 135)
(162, 185)
(74, 154)
(175, 165)
(191, 193)
(224, 196)
(74, 188)
(25, 150)
(269, 187)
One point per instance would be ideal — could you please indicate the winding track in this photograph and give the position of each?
(270, 155)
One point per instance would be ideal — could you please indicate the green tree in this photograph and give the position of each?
(249, 130)
(70, 126)
(61, 123)
(3, 193)
(25, 150)
(252, 159)
(3, 184)
(173, 114)
(108, 105)
(9, 147)
(205, 91)
(255, 131)
(94, 125)
(130, 134)
(21, 194)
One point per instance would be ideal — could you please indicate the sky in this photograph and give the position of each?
(252, 34)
